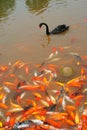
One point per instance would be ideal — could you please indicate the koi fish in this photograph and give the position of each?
(76, 82)
(3, 68)
(51, 58)
(37, 96)
(14, 105)
(57, 115)
(66, 98)
(63, 103)
(16, 109)
(77, 118)
(12, 120)
(4, 99)
(53, 122)
(16, 64)
(2, 105)
(27, 124)
(60, 84)
(9, 84)
(7, 89)
(84, 90)
(29, 87)
(23, 124)
(2, 96)
(70, 122)
(71, 108)
(76, 55)
(44, 103)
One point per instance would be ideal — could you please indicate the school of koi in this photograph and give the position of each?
(36, 100)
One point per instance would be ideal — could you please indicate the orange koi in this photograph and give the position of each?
(77, 103)
(44, 127)
(76, 82)
(52, 65)
(37, 96)
(2, 128)
(84, 57)
(70, 122)
(40, 117)
(59, 116)
(2, 96)
(72, 115)
(3, 68)
(37, 78)
(61, 49)
(54, 49)
(21, 65)
(71, 108)
(11, 75)
(16, 63)
(46, 82)
(82, 71)
(79, 97)
(53, 122)
(27, 69)
(9, 84)
(43, 112)
(12, 120)
(8, 113)
(31, 110)
(2, 105)
(32, 102)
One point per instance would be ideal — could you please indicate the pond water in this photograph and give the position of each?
(21, 38)
(26, 54)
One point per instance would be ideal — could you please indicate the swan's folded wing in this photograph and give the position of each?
(59, 29)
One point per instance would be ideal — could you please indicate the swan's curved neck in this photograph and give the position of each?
(47, 29)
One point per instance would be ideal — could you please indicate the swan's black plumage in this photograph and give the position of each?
(57, 30)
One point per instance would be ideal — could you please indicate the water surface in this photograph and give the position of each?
(21, 38)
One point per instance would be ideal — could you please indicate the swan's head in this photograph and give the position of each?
(47, 28)
(40, 25)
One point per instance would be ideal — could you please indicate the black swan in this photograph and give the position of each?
(57, 30)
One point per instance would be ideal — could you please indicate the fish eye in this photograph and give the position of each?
(20, 123)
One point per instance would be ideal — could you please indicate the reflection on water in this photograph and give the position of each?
(6, 7)
(37, 5)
